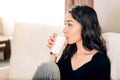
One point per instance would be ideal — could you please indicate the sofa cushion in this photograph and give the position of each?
(4, 72)
(113, 52)
(29, 49)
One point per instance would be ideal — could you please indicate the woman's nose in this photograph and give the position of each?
(65, 29)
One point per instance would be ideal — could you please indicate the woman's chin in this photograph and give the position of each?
(70, 42)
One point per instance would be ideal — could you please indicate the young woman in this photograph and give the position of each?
(84, 57)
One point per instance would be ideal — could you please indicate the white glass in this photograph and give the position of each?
(59, 41)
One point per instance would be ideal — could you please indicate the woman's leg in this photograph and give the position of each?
(47, 71)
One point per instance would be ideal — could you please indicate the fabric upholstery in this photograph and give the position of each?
(113, 52)
(4, 73)
(29, 49)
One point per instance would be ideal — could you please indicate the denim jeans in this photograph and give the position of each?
(47, 71)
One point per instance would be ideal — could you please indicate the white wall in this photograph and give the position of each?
(33, 11)
(0, 26)
(41, 11)
(109, 14)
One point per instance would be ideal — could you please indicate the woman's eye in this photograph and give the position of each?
(70, 25)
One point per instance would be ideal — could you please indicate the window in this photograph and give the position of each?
(37, 11)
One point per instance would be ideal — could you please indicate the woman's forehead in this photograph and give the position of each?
(68, 18)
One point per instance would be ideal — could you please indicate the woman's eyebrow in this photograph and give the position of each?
(68, 21)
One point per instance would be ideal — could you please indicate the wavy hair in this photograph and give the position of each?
(91, 30)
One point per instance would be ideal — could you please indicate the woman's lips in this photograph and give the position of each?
(67, 38)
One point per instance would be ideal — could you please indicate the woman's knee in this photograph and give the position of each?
(47, 71)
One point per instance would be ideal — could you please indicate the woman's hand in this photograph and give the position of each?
(51, 40)
(50, 44)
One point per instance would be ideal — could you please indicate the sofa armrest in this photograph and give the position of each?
(4, 72)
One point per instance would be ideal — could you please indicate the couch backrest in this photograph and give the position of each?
(113, 52)
(29, 49)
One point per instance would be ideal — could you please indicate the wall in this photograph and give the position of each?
(32, 11)
(0, 26)
(109, 14)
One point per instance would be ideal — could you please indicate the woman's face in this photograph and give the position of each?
(72, 29)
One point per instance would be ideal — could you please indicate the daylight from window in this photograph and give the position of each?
(36, 11)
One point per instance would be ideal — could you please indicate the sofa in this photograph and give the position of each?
(113, 51)
(29, 50)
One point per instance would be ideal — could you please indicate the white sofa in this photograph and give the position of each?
(113, 52)
(29, 50)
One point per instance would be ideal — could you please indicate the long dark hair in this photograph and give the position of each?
(91, 30)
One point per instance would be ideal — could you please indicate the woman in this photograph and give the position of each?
(84, 57)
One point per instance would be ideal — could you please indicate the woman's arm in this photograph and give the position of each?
(51, 41)
(53, 58)
(102, 68)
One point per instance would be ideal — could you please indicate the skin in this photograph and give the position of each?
(72, 32)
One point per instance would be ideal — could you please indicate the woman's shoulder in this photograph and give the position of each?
(101, 58)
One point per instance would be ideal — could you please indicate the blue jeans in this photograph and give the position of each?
(47, 71)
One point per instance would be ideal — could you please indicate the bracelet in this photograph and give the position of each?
(51, 53)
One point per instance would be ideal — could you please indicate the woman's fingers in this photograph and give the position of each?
(51, 40)
(54, 35)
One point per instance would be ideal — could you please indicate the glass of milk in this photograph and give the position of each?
(59, 41)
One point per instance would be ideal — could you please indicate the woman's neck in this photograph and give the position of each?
(80, 48)
(82, 51)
